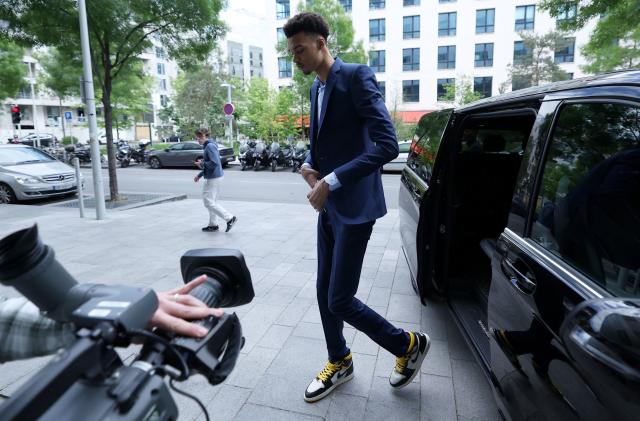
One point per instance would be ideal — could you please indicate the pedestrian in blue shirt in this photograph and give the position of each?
(213, 175)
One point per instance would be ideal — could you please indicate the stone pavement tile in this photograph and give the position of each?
(383, 279)
(275, 337)
(376, 249)
(270, 261)
(257, 321)
(294, 257)
(386, 403)
(379, 297)
(371, 260)
(303, 356)
(346, 407)
(306, 265)
(474, 398)
(387, 265)
(404, 308)
(363, 368)
(437, 360)
(369, 272)
(280, 295)
(293, 281)
(250, 367)
(308, 290)
(438, 401)
(362, 344)
(314, 331)
(378, 238)
(295, 311)
(434, 320)
(458, 348)
(227, 403)
(312, 315)
(402, 282)
(251, 412)
(198, 386)
(14, 374)
(262, 287)
(391, 255)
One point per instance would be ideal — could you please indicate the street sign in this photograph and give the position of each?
(228, 108)
(67, 115)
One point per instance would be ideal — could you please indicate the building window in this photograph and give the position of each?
(442, 87)
(484, 55)
(160, 68)
(53, 116)
(565, 51)
(281, 36)
(160, 53)
(521, 53)
(162, 84)
(447, 24)
(447, 57)
(411, 2)
(377, 61)
(284, 67)
(411, 91)
(282, 9)
(376, 4)
(567, 16)
(411, 27)
(346, 5)
(410, 59)
(376, 30)
(525, 17)
(482, 85)
(569, 76)
(447, 1)
(485, 21)
(164, 100)
(382, 86)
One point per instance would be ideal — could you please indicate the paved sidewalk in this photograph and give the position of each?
(284, 342)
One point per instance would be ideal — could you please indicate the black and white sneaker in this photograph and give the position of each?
(408, 365)
(333, 375)
(230, 223)
(210, 228)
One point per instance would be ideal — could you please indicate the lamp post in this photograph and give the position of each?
(229, 114)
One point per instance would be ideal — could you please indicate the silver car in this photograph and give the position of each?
(398, 164)
(27, 173)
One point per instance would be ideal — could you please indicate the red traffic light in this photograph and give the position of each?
(15, 109)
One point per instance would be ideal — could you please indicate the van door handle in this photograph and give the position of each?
(523, 283)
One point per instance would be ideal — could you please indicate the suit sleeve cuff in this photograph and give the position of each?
(332, 181)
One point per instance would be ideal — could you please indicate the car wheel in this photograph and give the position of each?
(6, 194)
(154, 163)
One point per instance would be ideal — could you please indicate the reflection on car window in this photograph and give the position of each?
(13, 156)
(492, 140)
(588, 209)
(404, 147)
(178, 147)
(426, 142)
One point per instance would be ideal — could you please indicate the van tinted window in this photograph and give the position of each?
(426, 142)
(588, 208)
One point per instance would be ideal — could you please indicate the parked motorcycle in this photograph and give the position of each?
(124, 153)
(280, 156)
(261, 156)
(82, 152)
(246, 154)
(300, 153)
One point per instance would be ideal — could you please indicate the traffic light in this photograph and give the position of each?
(15, 114)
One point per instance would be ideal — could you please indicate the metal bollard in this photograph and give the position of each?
(76, 165)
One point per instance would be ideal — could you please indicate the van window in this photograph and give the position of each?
(588, 208)
(426, 142)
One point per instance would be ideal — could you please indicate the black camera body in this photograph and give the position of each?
(88, 380)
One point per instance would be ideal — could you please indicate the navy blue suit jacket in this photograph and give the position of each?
(355, 139)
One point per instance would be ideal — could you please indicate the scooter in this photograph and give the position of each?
(300, 153)
(246, 154)
(261, 156)
(124, 153)
(280, 156)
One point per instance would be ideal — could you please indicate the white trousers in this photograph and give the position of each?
(210, 190)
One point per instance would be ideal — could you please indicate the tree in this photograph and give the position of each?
(341, 43)
(119, 32)
(615, 41)
(537, 66)
(460, 92)
(12, 69)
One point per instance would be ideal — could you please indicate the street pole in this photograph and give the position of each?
(96, 164)
(229, 117)
(33, 102)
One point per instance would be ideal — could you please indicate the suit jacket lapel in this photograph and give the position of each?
(331, 81)
(312, 109)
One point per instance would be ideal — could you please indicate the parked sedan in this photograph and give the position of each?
(27, 173)
(522, 212)
(401, 160)
(46, 139)
(185, 154)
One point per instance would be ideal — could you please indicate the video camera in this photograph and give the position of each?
(88, 380)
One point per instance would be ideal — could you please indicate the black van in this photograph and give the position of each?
(522, 211)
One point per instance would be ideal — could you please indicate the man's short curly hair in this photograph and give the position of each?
(309, 22)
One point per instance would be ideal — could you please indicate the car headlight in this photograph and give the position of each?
(26, 179)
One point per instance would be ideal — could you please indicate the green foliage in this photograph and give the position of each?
(12, 69)
(461, 92)
(615, 41)
(62, 72)
(538, 66)
(268, 112)
(69, 140)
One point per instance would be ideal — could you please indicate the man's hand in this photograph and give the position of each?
(310, 175)
(318, 195)
(196, 178)
(176, 307)
(198, 163)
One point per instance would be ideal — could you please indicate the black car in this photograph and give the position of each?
(185, 154)
(522, 211)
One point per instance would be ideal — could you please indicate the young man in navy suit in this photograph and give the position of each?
(352, 137)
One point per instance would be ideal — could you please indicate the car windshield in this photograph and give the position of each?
(16, 156)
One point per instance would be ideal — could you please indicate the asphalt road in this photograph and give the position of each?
(281, 186)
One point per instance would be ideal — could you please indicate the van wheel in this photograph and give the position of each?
(6, 194)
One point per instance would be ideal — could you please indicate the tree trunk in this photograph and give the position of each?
(108, 127)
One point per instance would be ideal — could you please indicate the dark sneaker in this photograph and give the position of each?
(408, 365)
(210, 228)
(231, 223)
(333, 375)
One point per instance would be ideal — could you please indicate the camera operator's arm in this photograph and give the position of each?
(25, 333)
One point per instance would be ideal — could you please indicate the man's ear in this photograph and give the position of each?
(321, 42)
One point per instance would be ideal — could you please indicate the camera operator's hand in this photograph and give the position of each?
(176, 307)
